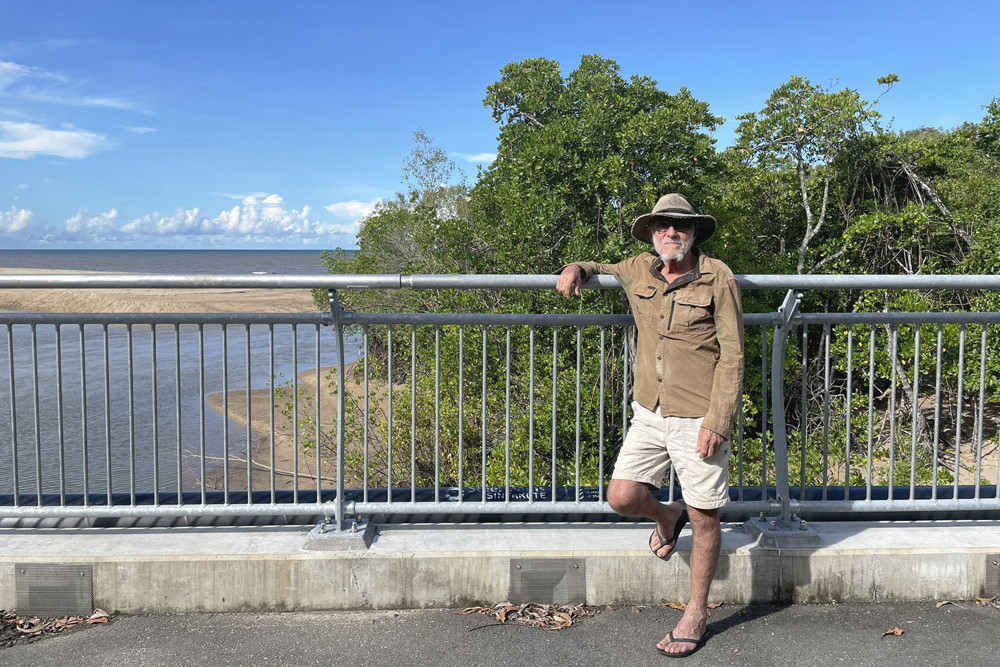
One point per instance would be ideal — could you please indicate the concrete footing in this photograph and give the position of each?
(164, 570)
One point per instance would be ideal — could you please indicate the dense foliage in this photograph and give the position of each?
(813, 183)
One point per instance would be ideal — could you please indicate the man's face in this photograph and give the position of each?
(672, 239)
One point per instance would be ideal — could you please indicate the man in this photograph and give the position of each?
(688, 371)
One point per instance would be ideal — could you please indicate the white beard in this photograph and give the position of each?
(674, 254)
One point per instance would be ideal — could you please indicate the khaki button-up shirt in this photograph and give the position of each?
(689, 356)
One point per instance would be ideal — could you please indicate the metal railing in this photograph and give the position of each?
(463, 414)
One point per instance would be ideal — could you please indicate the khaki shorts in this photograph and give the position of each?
(654, 443)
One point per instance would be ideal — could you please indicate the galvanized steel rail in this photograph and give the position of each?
(134, 438)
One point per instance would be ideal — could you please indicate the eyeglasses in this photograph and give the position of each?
(681, 226)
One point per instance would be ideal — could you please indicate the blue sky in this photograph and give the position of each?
(248, 124)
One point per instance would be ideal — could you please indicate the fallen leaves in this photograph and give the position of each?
(14, 628)
(544, 616)
(988, 602)
(896, 632)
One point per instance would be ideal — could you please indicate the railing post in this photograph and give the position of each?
(338, 323)
(782, 324)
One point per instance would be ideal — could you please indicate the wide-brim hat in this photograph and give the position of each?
(676, 207)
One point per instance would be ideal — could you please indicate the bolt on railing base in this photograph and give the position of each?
(772, 532)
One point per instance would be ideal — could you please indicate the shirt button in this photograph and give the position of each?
(661, 337)
(659, 358)
(661, 317)
(659, 379)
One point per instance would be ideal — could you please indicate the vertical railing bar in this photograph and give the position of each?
(365, 417)
(600, 423)
(982, 413)
(579, 373)
(388, 468)
(626, 338)
(225, 415)
(461, 414)
(804, 412)
(763, 412)
(826, 410)
(177, 408)
(483, 448)
(937, 414)
(413, 413)
(848, 430)
(437, 413)
(555, 355)
(59, 417)
(959, 407)
(871, 413)
(739, 459)
(506, 422)
(916, 407)
(202, 465)
(249, 408)
(894, 349)
(84, 423)
(270, 402)
(37, 417)
(295, 415)
(531, 414)
(155, 415)
(131, 413)
(13, 415)
(319, 419)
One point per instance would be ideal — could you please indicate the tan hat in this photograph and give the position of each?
(676, 207)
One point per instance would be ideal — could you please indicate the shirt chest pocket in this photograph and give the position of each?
(644, 304)
(693, 309)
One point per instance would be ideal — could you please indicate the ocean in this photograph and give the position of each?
(144, 417)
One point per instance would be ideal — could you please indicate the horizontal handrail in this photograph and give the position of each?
(467, 281)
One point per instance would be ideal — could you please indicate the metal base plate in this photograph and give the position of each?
(357, 536)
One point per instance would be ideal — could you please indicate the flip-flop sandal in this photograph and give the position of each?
(678, 527)
(698, 643)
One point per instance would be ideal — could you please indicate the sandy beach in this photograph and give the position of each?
(289, 463)
(214, 300)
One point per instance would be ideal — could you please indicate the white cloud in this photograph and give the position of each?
(255, 218)
(477, 157)
(26, 140)
(101, 226)
(140, 130)
(15, 78)
(260, 219)
(11, 73)
(352, 209)
(14, 221)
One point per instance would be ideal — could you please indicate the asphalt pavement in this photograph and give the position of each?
(964, 634)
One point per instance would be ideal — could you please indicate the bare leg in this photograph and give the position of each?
(704, 557)
(629, 498)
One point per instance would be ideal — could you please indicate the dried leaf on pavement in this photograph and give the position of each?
(944, 602)
(679, 606)
(544, 616)
(896, 632)
(14, 628)
(987, 602)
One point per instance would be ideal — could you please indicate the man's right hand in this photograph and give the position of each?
(569, 281)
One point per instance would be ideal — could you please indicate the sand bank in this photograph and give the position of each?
(151, 300)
